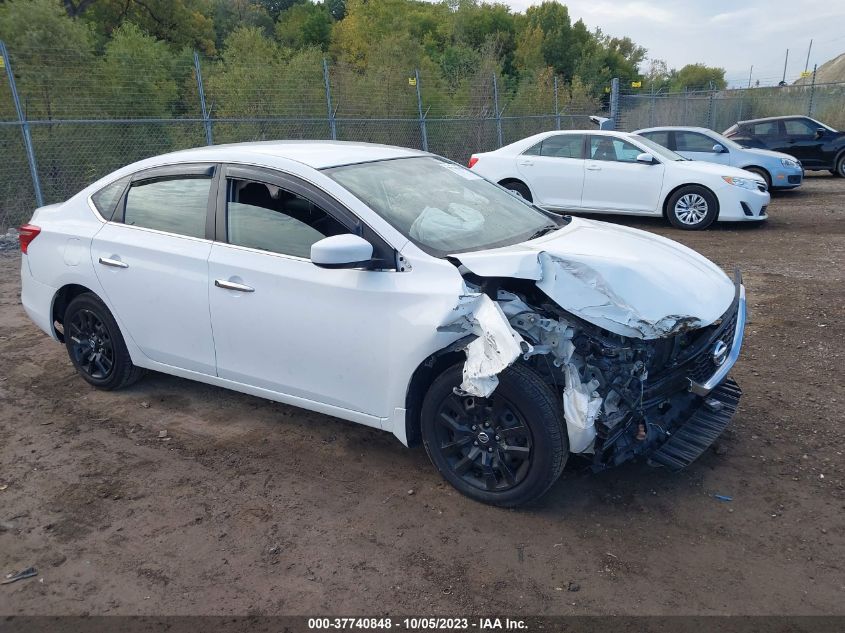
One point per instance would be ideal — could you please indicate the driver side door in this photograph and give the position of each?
(280, 322)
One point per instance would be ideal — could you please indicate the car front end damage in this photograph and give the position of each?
(662, 393)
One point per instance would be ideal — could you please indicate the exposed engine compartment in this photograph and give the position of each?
(621, 396)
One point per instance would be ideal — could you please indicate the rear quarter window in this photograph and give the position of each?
(105, 200)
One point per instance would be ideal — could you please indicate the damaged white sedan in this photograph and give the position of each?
(399, 290)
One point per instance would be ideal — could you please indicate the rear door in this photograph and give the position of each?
(152, 261)
(554, 171)
(615, 182)
(698, 146)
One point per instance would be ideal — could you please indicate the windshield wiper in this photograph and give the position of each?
(546, 229)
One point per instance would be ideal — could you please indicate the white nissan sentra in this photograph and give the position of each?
(616, 172)
(396, 289)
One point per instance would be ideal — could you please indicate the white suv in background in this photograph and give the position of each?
(617, 172)
(779, 170)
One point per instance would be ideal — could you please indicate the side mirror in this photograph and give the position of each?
(342, 251)
(820, 132)
(646, 158)
(719, 148)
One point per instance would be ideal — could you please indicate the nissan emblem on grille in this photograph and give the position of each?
(720, 353)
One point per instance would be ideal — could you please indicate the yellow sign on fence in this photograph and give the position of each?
(412, 81)
(804, 74)
(636, 84)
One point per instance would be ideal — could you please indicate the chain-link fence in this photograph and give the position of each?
(83, 115)
(719, 109)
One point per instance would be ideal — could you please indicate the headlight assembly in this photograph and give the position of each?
(745, 183)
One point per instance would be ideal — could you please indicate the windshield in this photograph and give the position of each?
(442, 207)
(820, 124)
(655, 148)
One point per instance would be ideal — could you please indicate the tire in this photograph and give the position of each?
(840, 167)
(763, 174)
(525, 437)
(518, 188)
(96, 346)
(692, 208)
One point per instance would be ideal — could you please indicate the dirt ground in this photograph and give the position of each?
(252, 507)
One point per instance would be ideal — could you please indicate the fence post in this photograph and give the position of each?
(686, 106)
(423, 131)
(812, 91)
(711, 114)
(27, 137)
(498, 112)
(651, 107)
(614, 102)
(557, 108)
(329, 109)
(203, 107)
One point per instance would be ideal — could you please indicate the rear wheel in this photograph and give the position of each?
(96, 346)
(762, 173)
(692, 208)
(519, 188)
(505, 450)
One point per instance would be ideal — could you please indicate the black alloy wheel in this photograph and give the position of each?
(95, 345)
(485, 441)
(507, 449)
(90, 345)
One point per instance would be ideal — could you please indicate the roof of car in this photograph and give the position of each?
(772, 118)
(316, 154)
(688, 128)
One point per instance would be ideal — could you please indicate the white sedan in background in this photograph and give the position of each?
(396, 289)
(779, 170)
(616, 172)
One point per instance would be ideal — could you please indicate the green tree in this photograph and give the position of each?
(230, 14)
(179, 22)
(305, 25)
(698, 76)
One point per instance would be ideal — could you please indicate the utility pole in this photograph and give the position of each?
(749, 75)
(783, 81)
(807, 63)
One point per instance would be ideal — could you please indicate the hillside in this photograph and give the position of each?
(832, 71)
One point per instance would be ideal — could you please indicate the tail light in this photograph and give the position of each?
(472, 161)
(26, 234)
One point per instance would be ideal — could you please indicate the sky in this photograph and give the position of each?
(733, 35)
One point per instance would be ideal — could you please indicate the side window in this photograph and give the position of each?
(613, 149)
(694, 142)
(106, 198)
(534, 150)
(563, 146)
(175, 204)
(767, 128)
(268, 218)
(799, 127)
(661, 138)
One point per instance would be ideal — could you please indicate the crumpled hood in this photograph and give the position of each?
(627, 281)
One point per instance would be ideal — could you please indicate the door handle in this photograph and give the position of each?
(114, 263)
(526, 163)
(594, 167)
(233, 285)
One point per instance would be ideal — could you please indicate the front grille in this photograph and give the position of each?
(763, 210)
(794, 180)
(702, 366)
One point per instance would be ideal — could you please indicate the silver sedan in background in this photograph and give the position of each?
(780, 171)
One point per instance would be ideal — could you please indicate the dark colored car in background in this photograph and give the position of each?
(816, 145)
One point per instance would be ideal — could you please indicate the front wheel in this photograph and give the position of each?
(505, 450)
(840, 167)
(692, 208)
(95, 344)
